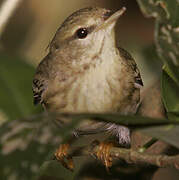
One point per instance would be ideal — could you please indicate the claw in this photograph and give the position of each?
(61, 154)
(104, 154)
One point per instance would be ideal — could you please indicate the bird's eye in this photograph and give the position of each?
(82, 33)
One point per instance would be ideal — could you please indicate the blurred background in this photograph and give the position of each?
(33, 25)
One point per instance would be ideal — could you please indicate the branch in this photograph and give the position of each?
(6, 10)
(128, 155)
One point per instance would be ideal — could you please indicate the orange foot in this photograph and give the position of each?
(62, 153)
(103, 154)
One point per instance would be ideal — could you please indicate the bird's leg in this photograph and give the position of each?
(62, 156)
(62, 153)
(123, 137)
(103, 153)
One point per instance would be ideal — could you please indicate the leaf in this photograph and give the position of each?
(15, 90)
(168, 134)
(166, 13)
(133, 121)
(25, 144)
(170, 96)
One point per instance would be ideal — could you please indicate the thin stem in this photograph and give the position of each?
(7, 9)
(147, 145)
(129, 155)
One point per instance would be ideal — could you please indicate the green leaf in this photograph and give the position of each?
(25, 144)
(166, 13)
(133, 121)
(170, 95)
(168, 134)
(16, 87)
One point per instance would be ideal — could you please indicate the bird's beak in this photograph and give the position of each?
(112, 19)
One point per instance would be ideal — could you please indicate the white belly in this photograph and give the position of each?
(92, 91)
(98, 90)
(103, 88)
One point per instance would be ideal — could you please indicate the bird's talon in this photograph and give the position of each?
(62, 153)
(70, 164)
(103, 154)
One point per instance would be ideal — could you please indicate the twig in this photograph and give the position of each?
(147, 145)
(6, 10)
(130, 156)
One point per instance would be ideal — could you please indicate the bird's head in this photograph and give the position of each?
(85, 33)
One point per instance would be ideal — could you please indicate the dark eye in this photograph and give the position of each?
(82, 33)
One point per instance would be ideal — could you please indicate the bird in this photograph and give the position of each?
(85, 71)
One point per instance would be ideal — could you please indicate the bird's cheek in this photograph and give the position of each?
(99, 35)
(85, 42)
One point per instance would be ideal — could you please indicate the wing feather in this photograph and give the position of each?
(138, 79)
(40, 81)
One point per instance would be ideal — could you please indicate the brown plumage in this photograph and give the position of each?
(85, 71)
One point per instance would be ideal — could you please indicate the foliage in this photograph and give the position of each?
(170, 96)
(16, 94)
(166, 13)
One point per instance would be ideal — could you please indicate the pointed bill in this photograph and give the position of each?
(112, 19)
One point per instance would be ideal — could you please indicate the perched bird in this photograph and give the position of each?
(85, 71)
